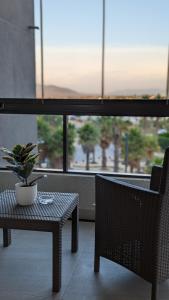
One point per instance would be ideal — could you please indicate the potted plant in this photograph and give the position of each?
(22, 161)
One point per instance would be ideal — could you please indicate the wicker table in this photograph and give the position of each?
(38, 217)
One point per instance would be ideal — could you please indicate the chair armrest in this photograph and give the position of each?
(126, 203)
(155, 178)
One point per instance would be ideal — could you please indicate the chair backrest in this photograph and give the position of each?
(155, 178)
(164, 183)
(163, 224)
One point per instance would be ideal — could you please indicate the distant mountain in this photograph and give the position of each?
(55, 92)
(138, 92)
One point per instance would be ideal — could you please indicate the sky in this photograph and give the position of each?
(137, 37)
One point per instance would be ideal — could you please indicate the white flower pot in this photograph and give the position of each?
(25, 195)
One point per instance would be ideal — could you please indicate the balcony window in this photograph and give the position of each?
(135, 47)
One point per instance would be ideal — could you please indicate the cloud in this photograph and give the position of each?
(79, 68)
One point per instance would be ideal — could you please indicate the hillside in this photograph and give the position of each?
(55, 92)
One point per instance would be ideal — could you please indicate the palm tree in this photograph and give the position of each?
(120, 126)
(50, 133)
(151, 145)
(88, 138)
(136, 148)
(163, 139)
(146, 124)
(105, 136)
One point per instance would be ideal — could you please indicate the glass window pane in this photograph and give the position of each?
(45, 131)
(117, 144)
(136, 48)
(50, 140)
(17, 129)
(72, 48)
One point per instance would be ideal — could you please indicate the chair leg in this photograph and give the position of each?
(154, 291)
(96, 263)
(6, 237)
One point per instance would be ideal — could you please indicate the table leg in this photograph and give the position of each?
(57, 258)
(6, 237)
(75, 229)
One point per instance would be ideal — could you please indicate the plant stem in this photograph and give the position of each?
(33, 181)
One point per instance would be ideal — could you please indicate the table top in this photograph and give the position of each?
(62, 206)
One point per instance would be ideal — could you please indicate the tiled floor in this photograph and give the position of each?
(25, 271)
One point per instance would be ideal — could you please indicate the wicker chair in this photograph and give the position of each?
(132, 225)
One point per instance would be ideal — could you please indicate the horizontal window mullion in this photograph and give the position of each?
(137, 108)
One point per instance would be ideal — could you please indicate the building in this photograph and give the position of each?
(17, 69)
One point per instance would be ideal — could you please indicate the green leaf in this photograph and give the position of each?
(29, 144)
(17, 149)
(21, 160)
(32, 158)
(9, 160)
(6, 151)
(12, 168)
(29, 148)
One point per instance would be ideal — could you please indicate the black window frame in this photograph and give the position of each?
(120, 108)
(131, 108)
